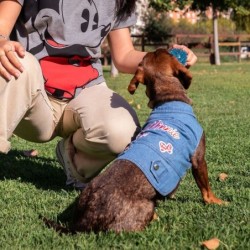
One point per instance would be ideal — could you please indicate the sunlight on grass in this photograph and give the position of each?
(30, 187)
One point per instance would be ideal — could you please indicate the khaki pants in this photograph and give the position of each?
(100, 121)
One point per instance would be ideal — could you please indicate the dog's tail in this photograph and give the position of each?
(57, 227)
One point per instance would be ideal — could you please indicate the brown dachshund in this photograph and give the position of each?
(123, 197)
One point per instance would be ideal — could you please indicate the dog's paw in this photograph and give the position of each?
(215, 200)
(155, 216)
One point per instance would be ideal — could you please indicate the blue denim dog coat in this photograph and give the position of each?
(164, 147)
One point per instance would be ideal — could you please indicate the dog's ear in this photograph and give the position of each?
(138, 78)
(184, 75)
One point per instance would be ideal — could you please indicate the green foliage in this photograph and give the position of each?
(158, 26)
(165, 5)
(242, 23)
(30, 187)
(226, 26)
(160, 5)
(184, 27)
(241, 8)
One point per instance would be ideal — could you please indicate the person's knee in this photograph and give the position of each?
(94, 150)
(31, 78)
(31, 66)
(109, 139)
(29, 61)
(120, 136)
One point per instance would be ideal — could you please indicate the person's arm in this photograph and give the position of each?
(9, 11)
(126, 58)
(123, 53)
(9, 63)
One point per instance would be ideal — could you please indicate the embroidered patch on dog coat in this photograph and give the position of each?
(165, 145)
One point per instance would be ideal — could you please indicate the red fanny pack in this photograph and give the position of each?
(65, 75)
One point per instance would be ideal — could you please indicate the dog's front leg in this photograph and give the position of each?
(200, 173)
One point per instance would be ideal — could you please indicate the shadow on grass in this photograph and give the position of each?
(44, 173)
(66, 216)
(64, 219)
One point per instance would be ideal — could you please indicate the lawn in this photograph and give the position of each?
(30, 187)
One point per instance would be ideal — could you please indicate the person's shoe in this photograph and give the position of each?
(62, 153)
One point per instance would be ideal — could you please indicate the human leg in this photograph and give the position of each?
(24, 107)
(103, 125)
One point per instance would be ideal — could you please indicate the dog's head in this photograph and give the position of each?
(165, 78)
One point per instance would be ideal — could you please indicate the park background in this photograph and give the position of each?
(34, 186)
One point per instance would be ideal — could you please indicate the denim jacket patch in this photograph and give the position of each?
(165, 145)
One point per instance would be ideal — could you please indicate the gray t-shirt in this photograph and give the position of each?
(66, 36)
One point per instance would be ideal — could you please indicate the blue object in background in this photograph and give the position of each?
(179, 54)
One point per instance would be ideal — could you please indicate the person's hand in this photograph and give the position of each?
(10, 65)
(191, 57)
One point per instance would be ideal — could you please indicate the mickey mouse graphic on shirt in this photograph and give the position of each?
(68, 35)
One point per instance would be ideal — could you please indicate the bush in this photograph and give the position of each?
(242, 23)
(158, 27)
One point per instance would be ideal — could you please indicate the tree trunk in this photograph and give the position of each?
(216, 38)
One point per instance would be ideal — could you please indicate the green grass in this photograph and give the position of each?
(30, 187)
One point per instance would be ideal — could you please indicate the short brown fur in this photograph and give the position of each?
(121, 198)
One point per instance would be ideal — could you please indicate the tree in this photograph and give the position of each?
(242, 22)
(240, 7)
(157, 27)
(164, 5)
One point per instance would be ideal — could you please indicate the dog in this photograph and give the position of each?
(123, 197)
